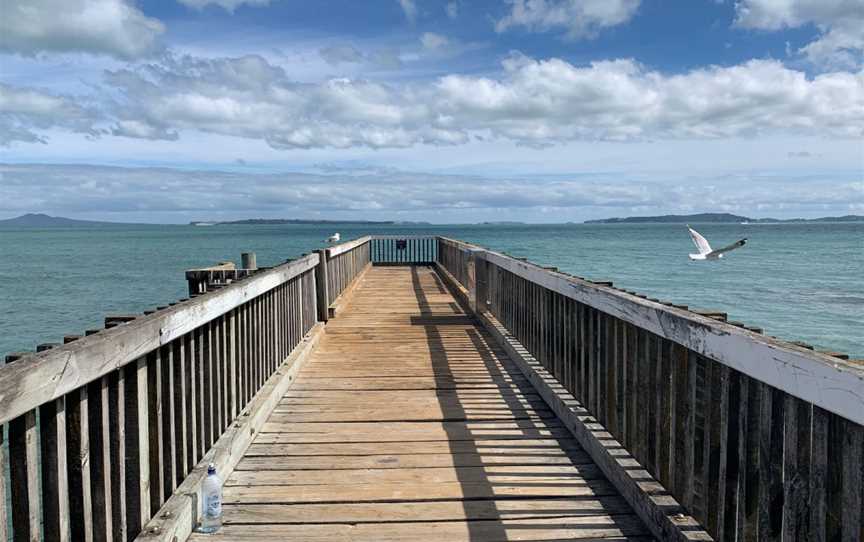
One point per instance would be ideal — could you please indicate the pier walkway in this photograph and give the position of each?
(423, 388)
(409, 423)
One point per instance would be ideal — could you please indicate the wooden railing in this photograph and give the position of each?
(757, 438)
(411, 249)
(103, 429)
(456, 257)
(344, 263)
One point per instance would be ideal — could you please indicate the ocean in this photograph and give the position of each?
(798, 281)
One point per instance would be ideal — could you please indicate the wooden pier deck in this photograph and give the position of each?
(408, 423)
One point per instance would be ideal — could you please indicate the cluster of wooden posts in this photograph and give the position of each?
(104, 437)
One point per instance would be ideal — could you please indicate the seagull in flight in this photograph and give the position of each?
(333, 238)
(705, 250)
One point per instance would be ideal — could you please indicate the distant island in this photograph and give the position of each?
(725, 218)
(40, 220)
(271, 221)
(502, 223)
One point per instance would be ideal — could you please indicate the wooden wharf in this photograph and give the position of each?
(422, 388)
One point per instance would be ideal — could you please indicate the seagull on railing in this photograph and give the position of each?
(333, 238)
(705, 250)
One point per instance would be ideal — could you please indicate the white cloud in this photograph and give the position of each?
(339, 54)
(111, 27)
(531, 102)
(840, 22)
(581, 18)
(227, 5)
(24, 112)
(335, 55)
(452, 9)
(409, 7)
(434, 42)
(540, 102)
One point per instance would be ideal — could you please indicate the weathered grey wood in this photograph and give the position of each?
(24, 478)
(349, 245)
(179, 515)
(800, 474)
(833, 384)
(48, 375)
(852, 499)
(137, 447)
(78, 456)
(179, 394)
(5, 522)
(168, 433)
(248, 260)
(116, 438)
(55, 489)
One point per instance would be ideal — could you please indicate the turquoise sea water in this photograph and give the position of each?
(797, 281)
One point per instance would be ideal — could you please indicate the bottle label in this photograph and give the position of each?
(214, 506)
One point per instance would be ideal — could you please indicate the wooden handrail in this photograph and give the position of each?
(828, 382)
(41, 377)
(341, 248)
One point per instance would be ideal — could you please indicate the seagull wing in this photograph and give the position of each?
(737, 244)
(700, 242)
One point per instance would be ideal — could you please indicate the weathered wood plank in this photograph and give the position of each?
(55, 488)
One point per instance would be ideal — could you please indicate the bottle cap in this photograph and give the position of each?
(211, 469)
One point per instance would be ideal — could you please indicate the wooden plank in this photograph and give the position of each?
(78, 454)
(851, 498)
(491, 474)
(5, 522)
(833, 384)
(55, 488)
(117, 453)
(23, 478)
(455, 510)
(607, 528)
(818, 475)
(51, 374)
(380, 492)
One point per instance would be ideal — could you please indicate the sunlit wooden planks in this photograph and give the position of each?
(409, 424)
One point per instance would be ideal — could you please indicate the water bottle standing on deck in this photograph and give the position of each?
(211, 493)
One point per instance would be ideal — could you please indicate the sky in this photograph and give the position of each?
(447, 111)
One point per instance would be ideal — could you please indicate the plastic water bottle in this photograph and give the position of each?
(211, 491)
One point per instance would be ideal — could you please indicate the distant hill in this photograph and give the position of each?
(718, 218)
(39, 220)
(258, 221)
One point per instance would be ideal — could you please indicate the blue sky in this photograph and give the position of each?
(447, 111)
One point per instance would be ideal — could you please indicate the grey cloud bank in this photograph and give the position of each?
(171, 195)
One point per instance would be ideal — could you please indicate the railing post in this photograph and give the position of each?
(476, 265)
(248, 260)
(321, 286)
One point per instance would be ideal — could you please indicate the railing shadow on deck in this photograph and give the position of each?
(484, 520)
